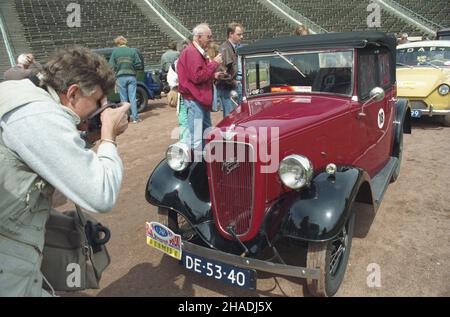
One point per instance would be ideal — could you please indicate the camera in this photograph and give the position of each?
(91, 127)
(94, 122)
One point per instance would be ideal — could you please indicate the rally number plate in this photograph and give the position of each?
(230, 274)
(162, 238)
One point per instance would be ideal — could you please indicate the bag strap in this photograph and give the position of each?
(80, 215)
(89, 249)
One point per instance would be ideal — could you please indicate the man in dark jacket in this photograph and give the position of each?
(196, 72)
(225, 85)
(125, 61)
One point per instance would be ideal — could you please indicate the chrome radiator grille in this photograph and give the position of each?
(232, 185)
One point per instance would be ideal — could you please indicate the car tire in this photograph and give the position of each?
(320, 255)
(177, 223)
(166, 217)
(141, 98)
(398, 155)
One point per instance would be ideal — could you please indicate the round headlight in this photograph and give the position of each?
(295, 171)
(443, 90)
(178, 156)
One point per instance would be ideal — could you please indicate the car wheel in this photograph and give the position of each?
(142, 99)
(399, 155)
(331, 257)
(177, 223)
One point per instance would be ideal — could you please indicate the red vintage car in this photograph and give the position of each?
(320, 129)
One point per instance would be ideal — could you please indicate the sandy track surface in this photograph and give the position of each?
(408, 239)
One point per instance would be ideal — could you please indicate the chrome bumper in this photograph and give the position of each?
(249, 263)
(433, 112)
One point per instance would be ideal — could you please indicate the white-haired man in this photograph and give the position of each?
(26, 67)
(196, 72)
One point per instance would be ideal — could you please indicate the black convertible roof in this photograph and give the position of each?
(320, 41)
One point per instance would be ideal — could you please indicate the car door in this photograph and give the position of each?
(373, 119)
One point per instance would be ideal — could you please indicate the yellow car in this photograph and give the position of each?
(423, 77)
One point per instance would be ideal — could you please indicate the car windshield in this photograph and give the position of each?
(305, 72)
(424, 56)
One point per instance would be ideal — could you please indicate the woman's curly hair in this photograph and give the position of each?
(78, 65)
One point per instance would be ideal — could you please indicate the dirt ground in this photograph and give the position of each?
(408, 239)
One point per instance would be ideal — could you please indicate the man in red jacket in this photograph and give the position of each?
(196, 72)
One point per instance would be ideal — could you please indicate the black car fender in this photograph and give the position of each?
(186, 192)
(319, 212)
(402, 122)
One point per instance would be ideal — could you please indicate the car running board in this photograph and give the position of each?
(381, 181)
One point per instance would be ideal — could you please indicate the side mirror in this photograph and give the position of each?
(376, 94)
(234, 98)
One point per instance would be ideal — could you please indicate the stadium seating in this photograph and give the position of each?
(437, 11)
(348, 15)
(4, 61)
(258, 21)
(45, 21)
(45, 25)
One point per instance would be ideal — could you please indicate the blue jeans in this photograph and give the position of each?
(215, 106)
(127, 90)
(199, 119)
(239, 92)
(183, 122)
(224, 96)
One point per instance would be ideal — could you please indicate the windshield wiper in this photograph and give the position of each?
(432, 65)
(401, 64)
(290, 63)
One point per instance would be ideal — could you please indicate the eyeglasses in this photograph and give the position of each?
(208, 36)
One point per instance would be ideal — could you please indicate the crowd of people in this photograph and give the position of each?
(199, 74)
(206, 74)
(203, 75)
